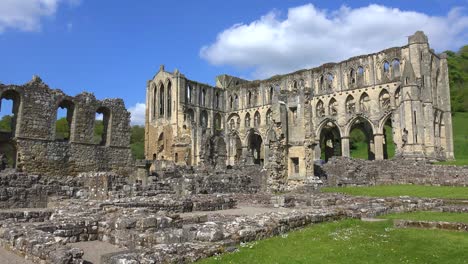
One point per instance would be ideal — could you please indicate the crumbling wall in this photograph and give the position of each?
(34, 134)
(340, 171)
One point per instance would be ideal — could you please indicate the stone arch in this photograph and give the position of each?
(255, 147)
(351, 78)
(218, 121)
(68, 127)
(364, 103)
(320, 109)
(188, 94)
(360, 78)
(396, 68)
(329, 139)
(235, 148)
(233, 121)
(161, 99)
(350, 105)
(8, 145)
(257, 119)
(154, 101)
(397, 96)
(169, 99)
(386, 129)
(384, 100)
(269, 117)
(247, 120)
(333, 107)
(204, 121)
(16, 99)
(104, 139)
(364, 128)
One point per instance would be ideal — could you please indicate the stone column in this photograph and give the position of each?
(378, 146)
(345, 152)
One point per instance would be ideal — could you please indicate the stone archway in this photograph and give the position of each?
(330, 141)
(256, 153)
(361, 139)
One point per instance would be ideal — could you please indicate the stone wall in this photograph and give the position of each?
(340, 171)
(39, 149)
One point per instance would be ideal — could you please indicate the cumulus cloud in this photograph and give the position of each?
(26, 15)
(309, 36)
(138, 114)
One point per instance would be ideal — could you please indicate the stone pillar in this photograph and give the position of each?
(378, 146)
(345, 152)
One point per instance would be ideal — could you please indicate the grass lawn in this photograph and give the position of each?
(430, 216)
(446, 192)
(354, 241)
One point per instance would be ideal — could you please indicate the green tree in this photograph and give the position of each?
(137, 142)
(458, 78)
(62, 129)
(5, 123)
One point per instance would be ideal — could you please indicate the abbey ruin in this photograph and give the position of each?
(225, 165)
(287, 122)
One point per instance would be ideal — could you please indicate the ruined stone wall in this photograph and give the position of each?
(340, 171)
(38, 150)
(311, 113)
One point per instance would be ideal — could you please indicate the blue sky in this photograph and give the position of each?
(111, 48)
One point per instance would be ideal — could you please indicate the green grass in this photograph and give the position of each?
(460, 139)
(354, 241)
(446, 192)
(430, 216)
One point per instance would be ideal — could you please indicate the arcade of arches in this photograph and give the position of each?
(375, 106)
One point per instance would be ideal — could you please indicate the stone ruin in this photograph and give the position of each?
(288, 122)
(225, 165)
(33, 146)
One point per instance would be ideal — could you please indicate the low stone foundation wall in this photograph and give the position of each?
(463, 227)
(340, 171)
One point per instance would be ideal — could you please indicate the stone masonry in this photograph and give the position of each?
(33, 136)
(287, 122)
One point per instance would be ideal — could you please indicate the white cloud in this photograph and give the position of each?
(26, 15)
(138, 114)
(309, 36)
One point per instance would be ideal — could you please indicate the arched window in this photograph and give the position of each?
(386, 67)
(188, 95)
(333, 107)
(321, 84)
(268, 117)
(270, 95)
(247, 120)
(236, 102)
(350, 105)
(364, 103)
(320, 109)
(217, 100)
(161, 101)
(249, 99)
(396, 68)
(232, 123)
(257, 119)
(204, 119)
(384, 100)
(330, 79)
(155, 101)
(64, 120)
(169, 99)
(101, 126)
(203, 97)
(352, 77)
(231, 102)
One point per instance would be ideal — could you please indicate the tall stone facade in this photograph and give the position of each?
(33, 142)
(287, 122)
